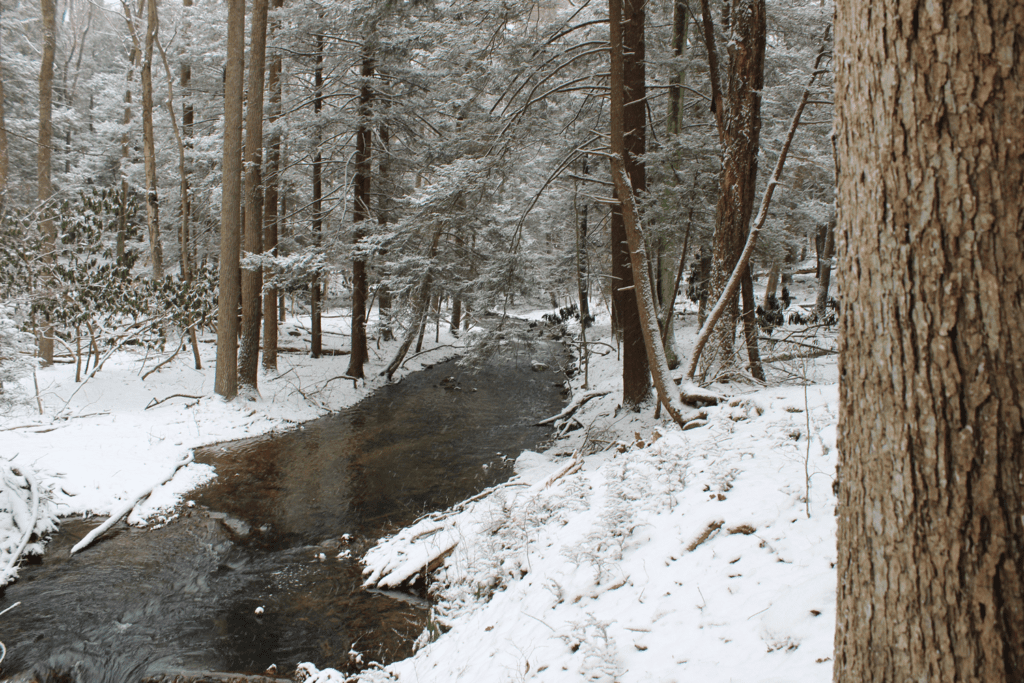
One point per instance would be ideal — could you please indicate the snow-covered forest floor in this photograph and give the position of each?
(705, 554)
(669, 555)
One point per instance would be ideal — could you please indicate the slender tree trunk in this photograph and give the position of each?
(226, 383)
(750, 326)
(187, 124)
(360, 213)
(383, 216)
(149, 145)
(825, 270)
(45, 186)
(252, 278)
(315, 291)
(4, 158)
(582, 264)
(772, 286)
(931, 389)
(636, 376)
(270, 227)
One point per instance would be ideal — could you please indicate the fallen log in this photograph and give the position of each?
(126, 508)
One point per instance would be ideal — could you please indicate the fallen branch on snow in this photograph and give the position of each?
(575, 405)
(126, 508)
(155, 402)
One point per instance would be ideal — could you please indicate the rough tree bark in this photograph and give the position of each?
(929, 106)
(360, 213)
(252, 278)
(316, 336)
(619, 18)
(270, 220)
(43, 170)
(226, 381)
(636, 374)
(738, 118)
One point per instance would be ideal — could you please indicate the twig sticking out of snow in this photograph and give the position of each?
(9, 570)
(126, 508)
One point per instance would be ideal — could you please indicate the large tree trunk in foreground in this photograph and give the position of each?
(930, 144)
(226, 383)
(252, 279)
(45, 186)
(636, 374)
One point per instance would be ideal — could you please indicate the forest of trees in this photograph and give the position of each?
(417, 157)
(168, 168)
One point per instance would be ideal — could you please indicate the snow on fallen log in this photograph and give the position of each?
(22, 514)
(419, 548)
(127, 507)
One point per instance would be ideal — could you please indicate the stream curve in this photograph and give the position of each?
(261, 566)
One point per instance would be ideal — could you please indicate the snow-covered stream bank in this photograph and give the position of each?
(705, 554)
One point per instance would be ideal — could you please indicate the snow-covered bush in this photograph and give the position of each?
(16, 360)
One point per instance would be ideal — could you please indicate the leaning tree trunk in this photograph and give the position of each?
(929, 107)
(636, 374)
(4, 159)
(45, 186)
(226, 382)
(361, 213)
(643, 295)
(421, 304)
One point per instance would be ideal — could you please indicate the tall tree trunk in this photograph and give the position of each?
(383, 216)
(750, 326)
(825, 269)
(186, 271)
(582, 264)
(316, 337)
(149, 146)
(43, 170)
(360, 213)
(252, 278)
(187, 124)
(738, 116)
(636, 375)
(272, 182)
(4, 158)
(931, 389)
(226, 382)
(621, 21)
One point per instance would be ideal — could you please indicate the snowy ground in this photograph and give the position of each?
(99, 443)
(705, 554)
(669, 555)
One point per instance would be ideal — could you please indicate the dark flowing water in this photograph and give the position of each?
(281, 528)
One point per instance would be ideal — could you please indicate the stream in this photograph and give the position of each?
(261, 566)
